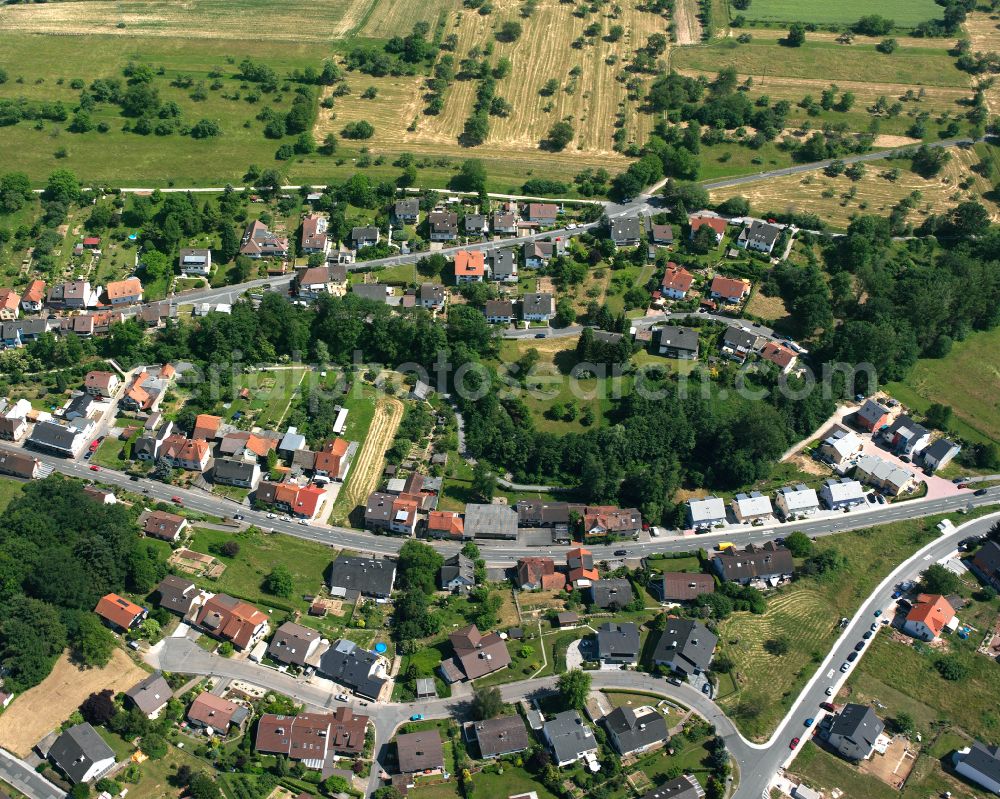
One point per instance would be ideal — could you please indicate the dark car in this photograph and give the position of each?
(134, 478)
(897, 594)
(852, 657)
(827, 707)
(539, 335)
(980, 492)
(859, 646)
(868, 634)
(620, 553)
(958, 480)
(904, 458)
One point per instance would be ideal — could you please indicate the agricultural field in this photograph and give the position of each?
(967, 379)
(905, 13)
(837, 200)
(983, 31)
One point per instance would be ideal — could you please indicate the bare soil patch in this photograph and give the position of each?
(686, 22)
(367, 467)
(34, 714)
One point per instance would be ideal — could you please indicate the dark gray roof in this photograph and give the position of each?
(420, 751)
(680, 338)
(761, 232)
(537, 303)
(150, 694)
(617, 640)
(370, 576)
(569, 735)
(918, 430)
(754, 562)
(371, 291)
(687, 643)
(177, 594)
(350, 665)
(616, 590)
(684, 787)
(364, 232)
(984, 759)
(503, 263)
(77, 749)
(229, 469)
(498, 308)
(940, 448)
(859, 724)
(607, 338)
(432, 291)
(407, 207)
(737, 337)
(501, 735)
(291, 643)
(626, 228)
(458, 567)
(443, 222)
(634, 732)
(51, 434)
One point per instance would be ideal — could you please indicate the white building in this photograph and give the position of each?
(798, 501)
(706, 513)
(752, 507)
(979, 764)
(843, 493)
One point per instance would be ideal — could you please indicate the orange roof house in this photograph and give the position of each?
(729, 289)
(470, 265)
(10, 303)
(780, 356)
(233, 620)
(580, 562)
(718, 224)
(930, 614)
(167, 371)
(206, 426)
(119, 612)
(124, 291)
(676, 280)
(34, 295)
(330, 459)
(445, 524)
(308, 501)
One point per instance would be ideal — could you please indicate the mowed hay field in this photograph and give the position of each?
(983, 31)
(875, 194)
(35, 713)
(905, 13)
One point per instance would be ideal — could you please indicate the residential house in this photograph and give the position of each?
(442, 226)
(303, 502)
(215, 714)
(569, 738)
(294, 645)
(538, 513)
(980, 765)
(314, 235)
(618, 644)
(580, 563)
(365, 236)
(74, 295)
(81, 754)
(291, 442)
(313, 739)
(102, 496)
(727, 289)
(884, 475)
(315, 281)
(470, 266)
(662, 234)
(566, 620)
(259, 242)
(431, 296)
(716, 223)
(18, 464)
(14, 421)
(706, 513)
(458, 573)
(376, 292)
(476, 655)
(840, 447)
(940, 454)
(631, 732)
(544, 214)
(752, 508)
(685, 647)
(677, 342)
(101, 384)
(164, 526)
(626, 231)
(150, 695)
(67, 441)
(180, 595)
(190, 454)
(676, 282)
(797, 502)
(10, 304)
(397, 514)
(499, 312)
(854, 731)
(231, 472)
(538, 574)
(124, 292)
(986, 564)
(504, 223)
(767, 563)
(871, 416)
(738, 344)
(340, 256)
(780, 355)
(537, 254)
(445, 524)
(538, 307)
(420, 752)
(196, 262)
(33, 298)
(842, 493)
(406, 211)
(501, 736)
(614, 593)
(156, 314)
(603, 520)
(118, 613)
(233, 620)
(360, 671)
(331, 461)
(683, 787)
(503, 266)
(759, 236)
(147, 447)
(681, 586)
(906, 437)
(928, 617)
(490, 521)
(206, 427)
(368, 576)
(476, 225)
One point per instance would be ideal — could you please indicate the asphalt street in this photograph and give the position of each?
(22, 777)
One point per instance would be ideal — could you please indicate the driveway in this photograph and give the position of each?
(577, 652)
(937, 487)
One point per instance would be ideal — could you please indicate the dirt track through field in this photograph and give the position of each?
(367, 468)
(35, 713)
(686, 22)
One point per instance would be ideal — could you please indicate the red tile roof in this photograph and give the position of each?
(470, 264)
(212, 711)
(728, 287)
(118, 611)
(206, 426)
(716, 223)
(677, 278)
(446, 521)
(933, 610)
(777, 354)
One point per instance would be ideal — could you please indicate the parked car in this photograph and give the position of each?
(794, 742)
(237, 516)
(621, 553)
(94, 467)
(904, 458)
(980, 492)
(868, 634)
(706, 688)
(963, 485)
(852, 657)
(881, 499)
(859, 646)
(845, 667)
(829, 692)
(417, 717)
(878, 612)
(874, 627)
(177, 500)
(958, 480)
(897, 594)
(827, 707)
(134, 478)
(809, 722)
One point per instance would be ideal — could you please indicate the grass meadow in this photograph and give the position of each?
(905, 13)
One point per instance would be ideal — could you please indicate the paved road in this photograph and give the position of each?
(18, 774)
(502, 554)
(645, 321)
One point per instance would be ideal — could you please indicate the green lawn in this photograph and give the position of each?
(111, 452)
(906, 13)
(9, 491)
(967, 380)
(930, 66)
(153, 784)
(513, 781)
(270, 394)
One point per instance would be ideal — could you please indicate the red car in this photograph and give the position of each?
(963, 485)
(95, 444)
(176, 500)
(94, 467)
(794, 743)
